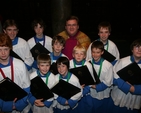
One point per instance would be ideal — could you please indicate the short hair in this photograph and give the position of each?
(38, 21)
(97, 44)
(9, 22)
(59, 39)
(73, 18)
(104, 24)
(5, 40)
(79, 47)
(43, 58)
(136, 43)
(63, 60)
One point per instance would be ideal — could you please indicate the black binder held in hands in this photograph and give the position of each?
(108, 56)
(39, 89)
(131, 73)
(10, 90)
(83, 75)
(38, 49)
(65, 89)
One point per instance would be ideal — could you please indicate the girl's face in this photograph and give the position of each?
(79, 55)
(96, 54)
(44, 68)
(137, 52)
(39, 30)
(62, 69)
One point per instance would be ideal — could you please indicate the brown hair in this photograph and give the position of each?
(5, 40)
(38, 21)
(59, 39)
(136, 43)
(98, 45)
(9, 22)
(73, 18)
(105, 24)
(63, 60)
(43, 58)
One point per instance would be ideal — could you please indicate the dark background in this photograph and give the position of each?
(124, 16)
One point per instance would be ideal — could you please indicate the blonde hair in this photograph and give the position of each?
(79, 47)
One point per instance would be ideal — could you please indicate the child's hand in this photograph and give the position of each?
(83, 85)
(15, 100)
(66, 103)
(39, 103)
(132, 89)
(93, 86)
(14, 103)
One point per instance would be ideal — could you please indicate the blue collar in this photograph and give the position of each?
(79, 63)
(98, 63)
(3, 66)
(133, 60)
(66, 77)
(15, 41)
(39, 74)
(39, 39)
(54, 57)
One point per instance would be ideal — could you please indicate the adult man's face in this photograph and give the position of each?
(72, 27)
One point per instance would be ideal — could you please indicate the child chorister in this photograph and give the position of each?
(43, 63)
(100, 93)
(62, 105)
(126, 97)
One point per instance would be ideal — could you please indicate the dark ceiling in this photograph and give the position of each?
(124, 15)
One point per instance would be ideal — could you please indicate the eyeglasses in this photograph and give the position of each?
(71, 25)
(138, 48)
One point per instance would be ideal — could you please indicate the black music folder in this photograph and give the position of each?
(13, 54)
(65, 89)
(38, 49)
(108, 56)
(10, 90)
(131, 73)
(83, 75)
(53, 68)
(39, 89)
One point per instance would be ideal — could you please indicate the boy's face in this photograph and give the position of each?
(44, 68)
(137, 52)
(11, 31)
(4, 53)
(39, 30)
(103, 34)
(72, 27)
(62, 69)
(79, 55)
(57, 47)
(96, 54)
